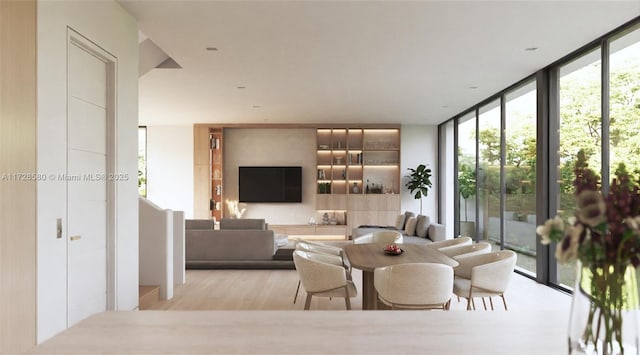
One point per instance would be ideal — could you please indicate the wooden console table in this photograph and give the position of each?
(312, 231)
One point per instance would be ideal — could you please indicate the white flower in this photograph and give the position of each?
(550, 227)
(634, 223)
(591, 208)
(567, 249)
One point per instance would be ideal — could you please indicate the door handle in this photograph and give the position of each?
(75, 237)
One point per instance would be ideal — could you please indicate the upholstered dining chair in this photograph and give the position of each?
(450, 242)
(484, 275)
(381, 237)
(458, 251)
(415, 285)
(321, 247)
(323, 279)
(324, 254)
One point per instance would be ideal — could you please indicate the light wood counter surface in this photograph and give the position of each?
(314, 332)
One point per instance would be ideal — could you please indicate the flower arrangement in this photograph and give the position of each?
(604, 236)
(234, 209)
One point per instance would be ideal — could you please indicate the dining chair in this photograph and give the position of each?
(484, 275)
(380, 237)
(321, 247)
(323, 279)
(415, 285)
(461, 240)
(458, 251)
(325, 255)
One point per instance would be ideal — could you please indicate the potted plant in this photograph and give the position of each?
(467, 189)
(419, 182)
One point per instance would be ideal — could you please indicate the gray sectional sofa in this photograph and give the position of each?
(415, 229)
(239, 243)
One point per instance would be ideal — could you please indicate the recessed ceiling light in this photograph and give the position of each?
(473, 87)
(531, 49)
(241, 87)
(445, 106)
(212, 49)
(256, 106)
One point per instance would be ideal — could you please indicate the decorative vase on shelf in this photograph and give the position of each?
(355, 189)
(604, 311)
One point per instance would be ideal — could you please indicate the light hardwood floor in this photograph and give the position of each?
(274, 290)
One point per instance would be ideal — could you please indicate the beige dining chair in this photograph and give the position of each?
(415, 285)
(380, 237)
(321, 247)
(458, 251)
(323, 279)
(461, 240)
(484, 275)
(325, 255)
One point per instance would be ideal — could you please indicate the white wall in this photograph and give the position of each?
(170, 167)
(419, 145)
(272, 147)
(109, 26)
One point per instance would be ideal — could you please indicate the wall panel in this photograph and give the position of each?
(17, 168)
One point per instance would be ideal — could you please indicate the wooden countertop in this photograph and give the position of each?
(314, 332)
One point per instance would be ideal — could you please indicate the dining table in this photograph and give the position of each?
(367, 257)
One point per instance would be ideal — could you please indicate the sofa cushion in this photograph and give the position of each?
(410, 226)
(229, 245)
(400, 222)
(243, 223)
(408, 214)
(422, 226)
(199, 223)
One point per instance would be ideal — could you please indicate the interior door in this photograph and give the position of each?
(87, 204)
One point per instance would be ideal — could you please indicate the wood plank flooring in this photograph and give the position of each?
(274, 290)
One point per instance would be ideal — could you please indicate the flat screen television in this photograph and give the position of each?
(270, 184)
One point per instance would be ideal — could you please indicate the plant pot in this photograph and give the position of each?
(468, 229)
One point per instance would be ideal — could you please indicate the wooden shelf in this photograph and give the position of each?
(216, 153)
(348, 157)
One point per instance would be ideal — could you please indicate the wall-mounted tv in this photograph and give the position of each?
(270, 183)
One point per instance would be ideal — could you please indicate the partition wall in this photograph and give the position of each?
(511, 156)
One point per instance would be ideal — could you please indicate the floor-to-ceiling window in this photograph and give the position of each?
(580, 129)
(489, 160)
(624, 100)
(497, 165)
(520, 174)
(467, 174)
(142, 161)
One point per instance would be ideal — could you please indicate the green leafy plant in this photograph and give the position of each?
(466, 184)
(419, 182)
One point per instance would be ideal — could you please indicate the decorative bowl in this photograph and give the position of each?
(393, 249)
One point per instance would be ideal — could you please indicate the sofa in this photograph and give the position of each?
(239, 243)
(415, 229)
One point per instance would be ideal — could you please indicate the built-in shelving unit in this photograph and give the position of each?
(358, 168)
(216, 163)
(358, 161)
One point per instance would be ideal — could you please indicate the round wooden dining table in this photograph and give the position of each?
(368, 257)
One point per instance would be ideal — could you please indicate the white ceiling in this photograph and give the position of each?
(352, 62)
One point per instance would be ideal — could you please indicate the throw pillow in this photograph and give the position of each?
(410, 226)
(422, 226)
(408, 214)
(399, 222)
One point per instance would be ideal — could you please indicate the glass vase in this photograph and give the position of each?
(604, 311)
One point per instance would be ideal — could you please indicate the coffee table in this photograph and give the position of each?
(368, 257)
